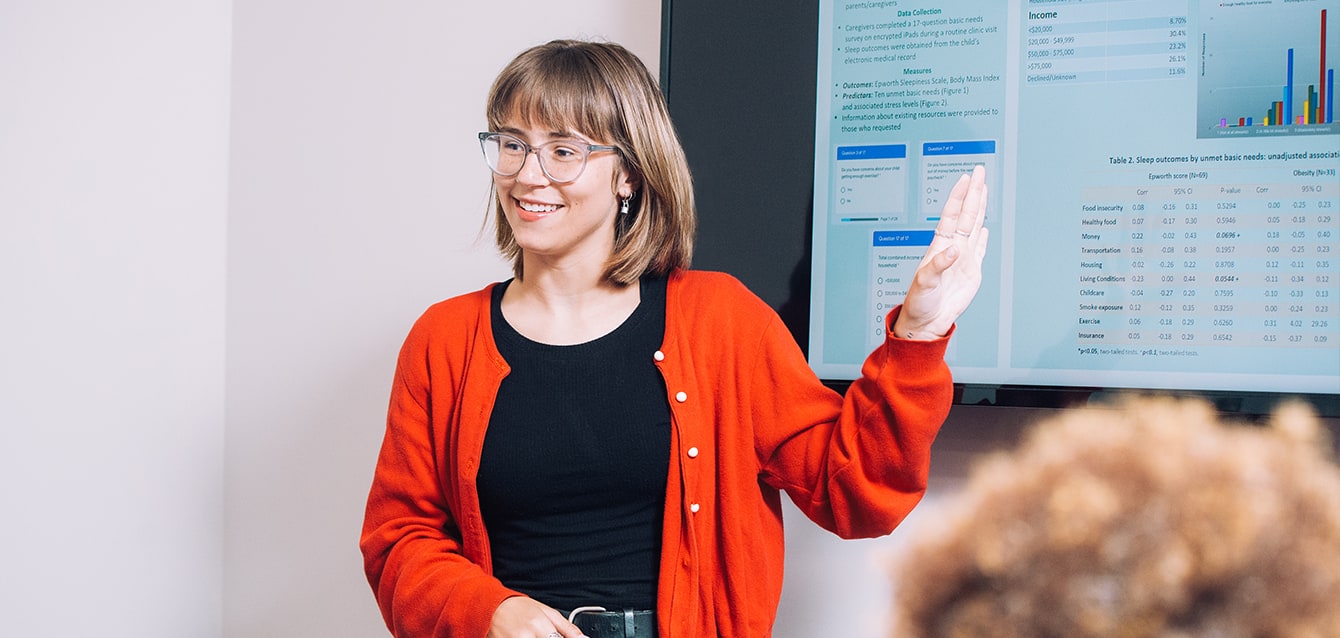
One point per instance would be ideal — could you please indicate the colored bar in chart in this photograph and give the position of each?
(1330, 104)
(1288, 90)
(1322, 93)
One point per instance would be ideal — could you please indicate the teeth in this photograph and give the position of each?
(537, 208)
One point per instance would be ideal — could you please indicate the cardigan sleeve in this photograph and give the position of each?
(859, 464)
(413, 552)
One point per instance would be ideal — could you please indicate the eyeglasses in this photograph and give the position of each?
(562, 161)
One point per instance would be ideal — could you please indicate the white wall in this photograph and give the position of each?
(358, 193)
(113, 174)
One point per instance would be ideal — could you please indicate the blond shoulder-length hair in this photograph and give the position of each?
(603, 91)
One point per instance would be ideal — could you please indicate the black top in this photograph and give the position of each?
(573, 473)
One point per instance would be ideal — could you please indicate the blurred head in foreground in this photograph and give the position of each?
(1147, 518)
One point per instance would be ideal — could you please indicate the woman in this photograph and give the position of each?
(610, 429)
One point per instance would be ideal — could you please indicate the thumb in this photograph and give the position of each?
(945, 258)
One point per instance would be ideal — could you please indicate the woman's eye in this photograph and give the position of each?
(512, 147)
(565, 152)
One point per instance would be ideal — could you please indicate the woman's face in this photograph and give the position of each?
(562, 222)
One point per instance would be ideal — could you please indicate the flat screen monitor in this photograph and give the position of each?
(1164, 179)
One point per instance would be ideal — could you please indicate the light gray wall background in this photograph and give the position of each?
(113, 226)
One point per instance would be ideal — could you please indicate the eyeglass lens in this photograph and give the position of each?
(561, 160)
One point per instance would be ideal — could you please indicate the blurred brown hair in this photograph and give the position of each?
(1151, 517)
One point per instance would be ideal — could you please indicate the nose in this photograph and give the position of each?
(531, 172)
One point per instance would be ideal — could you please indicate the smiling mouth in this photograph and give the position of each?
(532, 207)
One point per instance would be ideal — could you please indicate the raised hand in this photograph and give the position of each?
(951, 272)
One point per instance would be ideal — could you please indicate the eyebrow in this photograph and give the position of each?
(553, 135)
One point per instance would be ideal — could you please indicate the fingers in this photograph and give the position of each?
(949, 215)
(943, 260)
(965, 209)
(984, 236)
(522, 616)
(972, 208)
(562, 627)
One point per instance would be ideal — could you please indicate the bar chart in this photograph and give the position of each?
(1264, 70)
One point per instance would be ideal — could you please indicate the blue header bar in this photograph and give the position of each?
(970, 147)
(883, 151)
(903, 237)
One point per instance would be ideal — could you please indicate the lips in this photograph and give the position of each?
(535, 207)
(531, 211)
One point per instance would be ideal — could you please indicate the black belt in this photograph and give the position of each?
(596, 622)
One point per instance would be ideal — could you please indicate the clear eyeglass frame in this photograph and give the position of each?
(567, 158)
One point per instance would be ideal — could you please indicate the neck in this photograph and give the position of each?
(563, 276)
(565, 306)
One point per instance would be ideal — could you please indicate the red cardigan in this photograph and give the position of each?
(749, 419)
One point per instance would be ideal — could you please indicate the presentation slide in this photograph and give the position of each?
(1164, 179)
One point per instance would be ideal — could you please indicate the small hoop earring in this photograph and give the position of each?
(623, 205)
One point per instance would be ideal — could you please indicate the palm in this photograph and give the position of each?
(950, 274)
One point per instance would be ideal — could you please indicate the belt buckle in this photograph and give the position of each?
(582, 610)
(629, 623)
